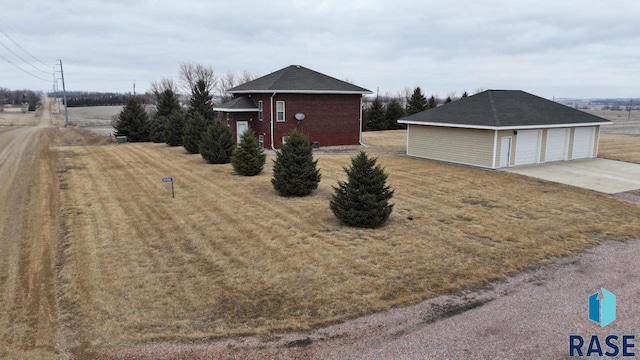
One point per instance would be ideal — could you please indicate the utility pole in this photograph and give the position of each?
(64, 96)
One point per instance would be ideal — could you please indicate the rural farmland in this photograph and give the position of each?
(228, 257)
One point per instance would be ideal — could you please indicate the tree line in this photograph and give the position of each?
(383, 112)
(29, 98)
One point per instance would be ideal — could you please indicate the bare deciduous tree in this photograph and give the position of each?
(190, 73)
(158, 87)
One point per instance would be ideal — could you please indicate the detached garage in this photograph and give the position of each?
(503, 128)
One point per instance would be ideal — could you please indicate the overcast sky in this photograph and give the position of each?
(560, 48)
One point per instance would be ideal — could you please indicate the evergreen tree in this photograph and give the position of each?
(448, 100)
(217, 143)
(248, 157)
(394, 112)
(156, 129)
(133, 122)
(433, 102)
(168, 103)
(375, 117)
(464, 94)
(363, 200)
(193, 131)
(174, 129)
(201, 102)
(417, 102)
(295, 173)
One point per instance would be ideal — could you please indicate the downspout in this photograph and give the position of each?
(273, 147)
(360, 135)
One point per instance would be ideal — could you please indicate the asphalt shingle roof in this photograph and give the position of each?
(504, 108)
(239, 103)
(298, 79)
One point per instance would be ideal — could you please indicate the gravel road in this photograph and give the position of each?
(28, 238)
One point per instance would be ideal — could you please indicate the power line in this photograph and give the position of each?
(23, 70)
(21, 58)
(19, 46)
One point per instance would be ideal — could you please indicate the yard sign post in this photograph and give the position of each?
(168, 179)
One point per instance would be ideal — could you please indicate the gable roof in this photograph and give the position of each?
(239, 104)
(503, 109)
(298, 79)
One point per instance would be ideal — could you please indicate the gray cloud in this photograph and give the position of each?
(561, 48)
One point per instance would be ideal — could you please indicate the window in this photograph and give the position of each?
(280, 111)
(261, 139)
(260, 110)
(284, 139)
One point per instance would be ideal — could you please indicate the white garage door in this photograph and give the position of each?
(556, 148)
(583, 142)
(527, 147)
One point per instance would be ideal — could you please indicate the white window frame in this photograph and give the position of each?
(278, 112)
(284, 139)
(260, 110)
(261, 141)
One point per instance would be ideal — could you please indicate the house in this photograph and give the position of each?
(503, 128)
(327, 110)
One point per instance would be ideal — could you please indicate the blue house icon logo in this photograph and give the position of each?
(602, 309)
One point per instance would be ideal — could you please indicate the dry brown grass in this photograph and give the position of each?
(228, 256)
(620, 147)
(15, 117)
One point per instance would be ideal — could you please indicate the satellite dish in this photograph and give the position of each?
(299, 116)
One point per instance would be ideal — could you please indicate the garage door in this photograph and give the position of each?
(556, 148)
(583, 142)
(527, 147)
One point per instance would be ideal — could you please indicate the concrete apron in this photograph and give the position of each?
(602, 175)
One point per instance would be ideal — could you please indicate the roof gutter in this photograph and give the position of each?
(273, 147)
(519, 127)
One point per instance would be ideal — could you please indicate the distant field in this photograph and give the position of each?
(622, 123)
(95, 118)
(15, 117)
(620, 147)
(228, 256)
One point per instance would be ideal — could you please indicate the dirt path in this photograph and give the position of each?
(28, 234)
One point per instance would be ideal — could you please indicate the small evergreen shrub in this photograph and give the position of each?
(217, 143)
(295, 173)
(363, 200)
(248, 157)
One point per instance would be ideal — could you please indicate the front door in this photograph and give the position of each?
(505, 151)
(241, 127)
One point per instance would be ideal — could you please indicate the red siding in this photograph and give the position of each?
(329, 119)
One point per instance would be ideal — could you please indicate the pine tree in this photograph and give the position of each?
(375, 119)
(295, 173)
(201, 102)
(168, 103)
(417, 102)
(464, 94)
(217, 143)
(133, 122)
(433, 102)
(174, 129)
(394, 112)
(363, 200)
(448, 100)
(248, 157)
(193, 131)
(156, 129)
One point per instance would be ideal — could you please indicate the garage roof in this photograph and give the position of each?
(503, 109)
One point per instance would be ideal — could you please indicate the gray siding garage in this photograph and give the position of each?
(503, 128)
